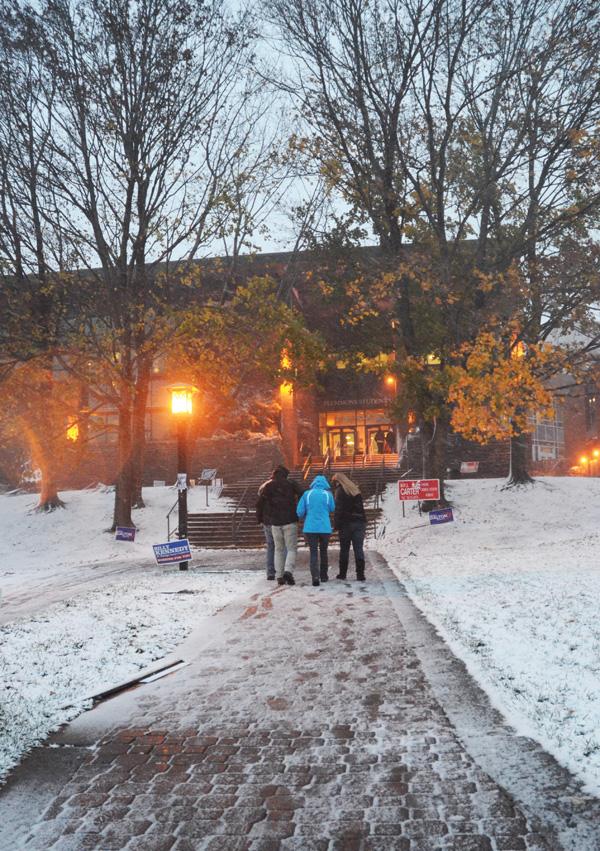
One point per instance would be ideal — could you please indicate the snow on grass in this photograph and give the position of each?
(72, 623)
(51, 663)
(32, 544)
(514, 586)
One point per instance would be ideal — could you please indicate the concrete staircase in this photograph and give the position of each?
(237, 528)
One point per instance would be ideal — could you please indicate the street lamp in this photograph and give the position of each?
(181, 408)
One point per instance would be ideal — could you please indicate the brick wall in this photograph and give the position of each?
(234, 456)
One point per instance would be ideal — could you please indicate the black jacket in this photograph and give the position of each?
(347, 508)
(277, 500)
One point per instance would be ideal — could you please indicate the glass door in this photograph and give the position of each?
(342, 442)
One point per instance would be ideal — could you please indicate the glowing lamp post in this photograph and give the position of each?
(181, 408)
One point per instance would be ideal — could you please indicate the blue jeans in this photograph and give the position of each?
(317, 544)
(352, 533)
(270, 550)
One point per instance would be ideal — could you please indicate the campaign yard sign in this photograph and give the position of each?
(172, 551)
(441, 515)
(419, 489)
(125, 533)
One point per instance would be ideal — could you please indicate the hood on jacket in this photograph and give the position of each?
(320, 482)
(280, 472)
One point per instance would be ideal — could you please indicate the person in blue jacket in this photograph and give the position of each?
(315, 507)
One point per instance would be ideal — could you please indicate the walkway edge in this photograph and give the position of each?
(543, 788)
(42, 773)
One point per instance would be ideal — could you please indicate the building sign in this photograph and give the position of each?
(469, 466)
(546, 452)
(441, 515)
(172, 551)
(418, 489)
(125, 533)
(332, 404)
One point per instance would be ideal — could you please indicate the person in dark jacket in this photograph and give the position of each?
(390, 441)
(315, 507)
(276, 507)
(268, 532)
(351, 522)
(379, 438)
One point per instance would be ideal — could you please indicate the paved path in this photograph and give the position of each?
(308, 722)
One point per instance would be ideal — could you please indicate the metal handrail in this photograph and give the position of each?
(327, 461)
(235, 527)
(306, 467)
(175, 531)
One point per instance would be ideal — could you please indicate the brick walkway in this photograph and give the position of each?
(308, 724)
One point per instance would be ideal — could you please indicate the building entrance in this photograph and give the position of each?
(342, 442)
(348, 432)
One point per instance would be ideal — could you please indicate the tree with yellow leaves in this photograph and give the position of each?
(497, 390)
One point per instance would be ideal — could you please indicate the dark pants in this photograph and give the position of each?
(353, 533)
(317, 544)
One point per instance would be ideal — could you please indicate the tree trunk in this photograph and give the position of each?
(519, 462)
(49, 498)
(44, 444)
(124, 485)
(434, 441)
(139, 435)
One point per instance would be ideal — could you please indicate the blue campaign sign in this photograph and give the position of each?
(172, 551)
(441, 515)
(125, 533)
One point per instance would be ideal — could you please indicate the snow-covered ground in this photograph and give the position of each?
(33, 544)
(81, 612)
(513, 585)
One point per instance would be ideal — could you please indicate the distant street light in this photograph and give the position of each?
(73, 429)
(181, 408)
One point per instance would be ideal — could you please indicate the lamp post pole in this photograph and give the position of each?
(181, 407)
(182, 473)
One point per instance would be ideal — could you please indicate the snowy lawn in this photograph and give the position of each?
(513, 585)
(51, 663)
(97, 611)
(33, 544)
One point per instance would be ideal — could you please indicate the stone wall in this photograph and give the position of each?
(233, 456)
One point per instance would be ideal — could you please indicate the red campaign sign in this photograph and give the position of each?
(419, 489)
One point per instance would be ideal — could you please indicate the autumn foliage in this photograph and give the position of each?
(499, 386)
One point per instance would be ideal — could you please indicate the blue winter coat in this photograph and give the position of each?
(316, 505)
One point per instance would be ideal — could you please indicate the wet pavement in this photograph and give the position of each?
(309, 718)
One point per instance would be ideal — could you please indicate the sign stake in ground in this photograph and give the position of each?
(416, 490)
(440, 515)
(172, 551)
(125, 533)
